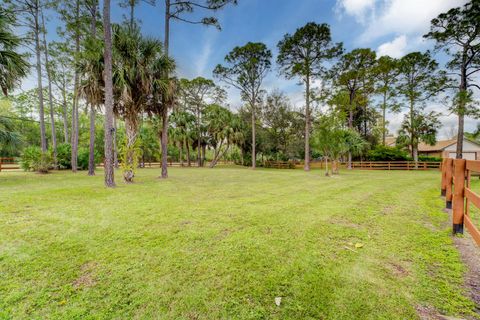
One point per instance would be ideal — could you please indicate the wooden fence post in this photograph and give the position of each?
(448, 183)
(458, 195)
(443, 189)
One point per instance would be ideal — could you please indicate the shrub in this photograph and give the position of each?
(385, 153)
(33, 159)
(64, 156)
(429, 159)
(83, 157)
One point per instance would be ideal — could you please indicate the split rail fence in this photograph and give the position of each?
(9, 164)
(359, 165)
(459, 196)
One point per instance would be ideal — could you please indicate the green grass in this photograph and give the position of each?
(223, 243)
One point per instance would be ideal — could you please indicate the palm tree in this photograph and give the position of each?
(13, 66)
(221, 128)
(135, 57)
(181, 124)
(164, 95)
(90, 66)
(9, 139)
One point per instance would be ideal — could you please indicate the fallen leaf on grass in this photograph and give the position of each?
(278, 300)
(358, 245)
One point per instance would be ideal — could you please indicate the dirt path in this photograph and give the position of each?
(470, 254)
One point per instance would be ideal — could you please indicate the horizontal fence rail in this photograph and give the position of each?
(395, 165)
(9, 164)
(456, 187)
(175, 164)
(360, 165)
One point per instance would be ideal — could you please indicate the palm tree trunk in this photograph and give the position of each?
(43, 138)
(215, 160)
(109, 118)
(50, 97)
(115, 146)
(181, 153)
(131, 130)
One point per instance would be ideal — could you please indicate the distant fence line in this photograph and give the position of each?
(359, 165)
(13, 164)
(455, 186)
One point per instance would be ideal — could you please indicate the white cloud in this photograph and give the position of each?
(395, 48)
(405, 17)
(357, 8)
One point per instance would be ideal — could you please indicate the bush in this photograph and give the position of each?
(83, 157)
(33, 159)
(429, 159)
(64, 156)
(385, 153)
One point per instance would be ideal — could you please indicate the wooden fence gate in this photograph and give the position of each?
(456, 187)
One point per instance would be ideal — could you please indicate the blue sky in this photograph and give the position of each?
(392, 27)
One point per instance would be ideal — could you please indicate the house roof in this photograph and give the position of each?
(439, 146)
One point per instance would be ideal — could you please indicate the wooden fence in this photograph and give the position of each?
(359, 165)
(395, 165)
(456, 187)
(9, 164)
(175, 164)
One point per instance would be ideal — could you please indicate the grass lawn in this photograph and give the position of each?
(223, 243)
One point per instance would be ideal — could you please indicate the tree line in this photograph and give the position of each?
(152, 113)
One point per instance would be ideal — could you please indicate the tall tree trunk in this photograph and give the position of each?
(109, 127)
(132, 12)
(115, 146)
(461, 111)
(91, 151)
(189, 163)
(306, 166)
(164, 140)
(181, 153)
(50, 96)
(326, 167)
(64, 115)
(254, 152)
(199, 138)
(384, 115)
(75, 122)
(350, 125)
(131, 131)
(204, 150)
(41, 109)
(413, 135)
